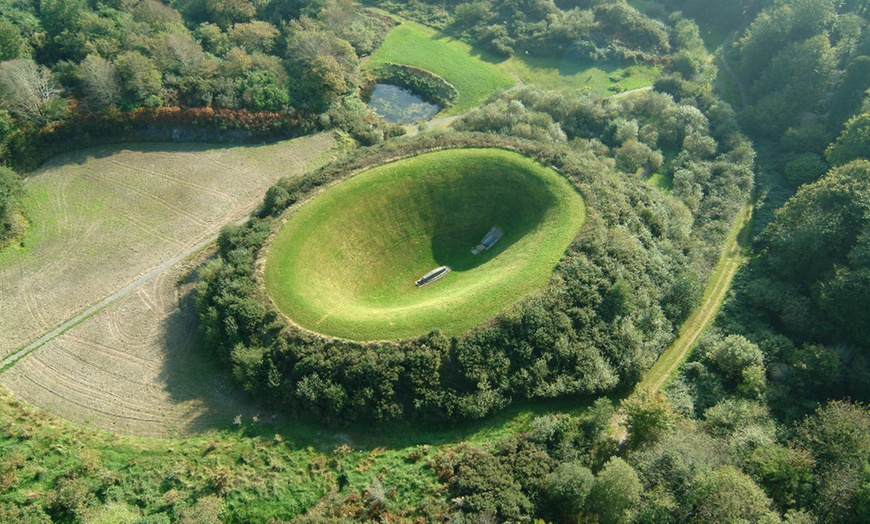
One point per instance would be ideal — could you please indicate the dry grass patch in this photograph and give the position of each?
(102, 218)
(134, 368)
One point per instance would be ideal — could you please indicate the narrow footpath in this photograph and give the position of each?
(733, 257)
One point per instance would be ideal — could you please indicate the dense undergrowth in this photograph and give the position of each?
(631, 276)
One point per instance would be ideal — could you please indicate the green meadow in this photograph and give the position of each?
(345, 264)
(473, 75)
(478, 75)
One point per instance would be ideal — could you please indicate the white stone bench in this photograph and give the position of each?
(433, 275)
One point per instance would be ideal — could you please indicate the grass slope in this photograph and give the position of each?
(477, 74)
(346, 263)
(471, 73)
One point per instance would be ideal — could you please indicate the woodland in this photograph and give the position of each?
(761, 104)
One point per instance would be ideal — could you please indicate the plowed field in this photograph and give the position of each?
(104, 224)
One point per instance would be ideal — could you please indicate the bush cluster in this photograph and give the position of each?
(608, 311)
(29, 147)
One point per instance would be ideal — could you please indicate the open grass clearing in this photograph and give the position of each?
(660, 180)
(590, 79)
(471, 72)
(101, 218)
(345, 263)
(477, 74)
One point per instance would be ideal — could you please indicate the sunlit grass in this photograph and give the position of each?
(345, 263)
(477, 74)
(471, 72)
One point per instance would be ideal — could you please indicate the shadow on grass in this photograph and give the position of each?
(516, 206)
(140, 144)
(457, 255)
(476, 51)
(193, 373)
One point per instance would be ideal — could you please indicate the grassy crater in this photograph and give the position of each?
(344, 265)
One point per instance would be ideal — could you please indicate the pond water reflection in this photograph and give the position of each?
(400, 106)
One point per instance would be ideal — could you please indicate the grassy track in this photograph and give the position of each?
(471, 72)
(720, 282)
(346, 263)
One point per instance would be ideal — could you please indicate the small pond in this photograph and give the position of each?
(400, 106)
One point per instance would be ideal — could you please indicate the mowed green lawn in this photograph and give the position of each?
(588, 79)
(477, 74)
(473, 75)
(345, 264)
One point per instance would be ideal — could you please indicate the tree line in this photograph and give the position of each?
(767, 420)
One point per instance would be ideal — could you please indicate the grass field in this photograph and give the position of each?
(576, 77)
(100, 219)
(345, 263)
(473, 74)
(477, 74)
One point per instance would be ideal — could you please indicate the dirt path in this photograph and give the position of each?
(720, 282)
(103, 304)
(669, 361)
(97, 314)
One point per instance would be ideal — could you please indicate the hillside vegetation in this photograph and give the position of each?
(630, 277)
(766, 421)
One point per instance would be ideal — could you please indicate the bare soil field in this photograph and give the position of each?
(101, 219)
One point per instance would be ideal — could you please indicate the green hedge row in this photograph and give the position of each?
(27, 148)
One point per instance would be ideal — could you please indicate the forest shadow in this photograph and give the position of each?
(455, 237)
(193, 373)
(476, 51)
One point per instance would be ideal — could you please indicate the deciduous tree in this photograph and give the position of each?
(616, 492)
(29, 91)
